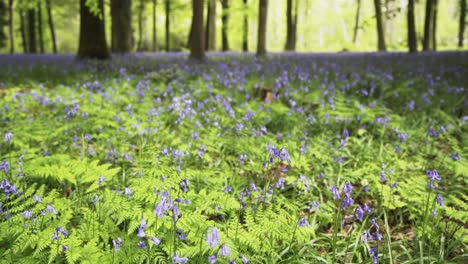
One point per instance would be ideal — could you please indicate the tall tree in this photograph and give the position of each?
(224, 29)
(155, 40)
(427, 38)
(356, 22)
(262, 27)
(210, 32)
(412, 42)
(461, 23)
(39, 27)
(197, 47)
(121, 16)
(32, 30)
(434, 25)
(141, 9)
(92, 42)
(168, 25)
(10, 26)
(245, 31)
(51, 25)
(291, 25)
(24, 40)
(3, 21)
(380, 26)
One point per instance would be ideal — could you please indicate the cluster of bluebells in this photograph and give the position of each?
(7, 188)
(274, 153)
(373, 234)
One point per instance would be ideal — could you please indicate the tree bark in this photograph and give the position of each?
(197, 51)
(32, 31)
(24, 40)
(427, 26)
(461, 26)
(155, 39)
(3, 11)
(356, 23)
(121, 16)
(434, 25)
(224, 29)
(291, 25)
(210, 32)
(10, 26)
(92, 44)
(412, 42)
(51, 26)
(262, 28)
(39, 28)
(168, 25)
(141, 8)
(245, 32)
(380, 27)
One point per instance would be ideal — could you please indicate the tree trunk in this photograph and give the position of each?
(262, 28)
(155, 39)
(92, 42)
(168, 25)
(380, 27)
(427, 26)
(32, 31)
(291, 25)
(356, 23)
(51, 26)
(210, 33)
(10, 26)
(121, 16)
(39, 28)
(24, 39)
(434, 25)
(141, 9)
(224, 29)
(245, 32)
(461, 26)
(390, 14)
(412, 42)
(197, 51)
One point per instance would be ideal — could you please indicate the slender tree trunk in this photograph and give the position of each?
(380, 26)
(412, 42)
(461, 25)
(10, 26)
(32, 31)
(168, 25)
(262, 28)
(92, 43)
(427, 26)
(356, 23)
(197, 51)
(24, 40)
(291, 25)
(245, 32)
(141, 8)
(155, 39)
(51, 26)
(224, 29)
(121, 15)
(210, 33)
(434, 25)
(39, 28)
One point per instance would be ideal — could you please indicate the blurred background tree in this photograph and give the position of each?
(36, 26)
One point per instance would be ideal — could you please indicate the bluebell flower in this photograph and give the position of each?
(212, 237)
(375, 255)
(141, 232)
(26, 214)
(303, 222)
(347, 201)
(280, 183)
(116, 243)
(212, 259)
(5, 166)
(49, 209)
(87, 137)
(175, 213)
(244, 260)
(225, 251)
(440, 200)
(345, 134)
(402, 137)
(374, 223)
(141, 244)
(8, 137)
(181, 235)
(156, 241)
(434, 212)
(184, 184)
(334, 191)
(64, 247)
(367, 208)
(253, 188)
(228, 189)
(55, 236)
(128, 192)
(101, 180)
(383, 177)
(359, 213)
(433, 175)
(178, 259)
(455, 156)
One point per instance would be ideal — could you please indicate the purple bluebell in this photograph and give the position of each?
(244, 259)
(128, 192)
(227, 189)
(440, 200)
(64, 247)
(8, 137)
(212, 259)
(375, 255)
(225, 250)
(184, 184)
(141, 244)
(303, 222)
(359, 213)
(455, 156)
(156, 241)
(280, 183)
(116, 243)
(179, 260)
(181, 235)
(62, 230)
(5, 166)
(212, 237)
(335, 192)
(433, 175)
(26, 214)
(101, 180)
